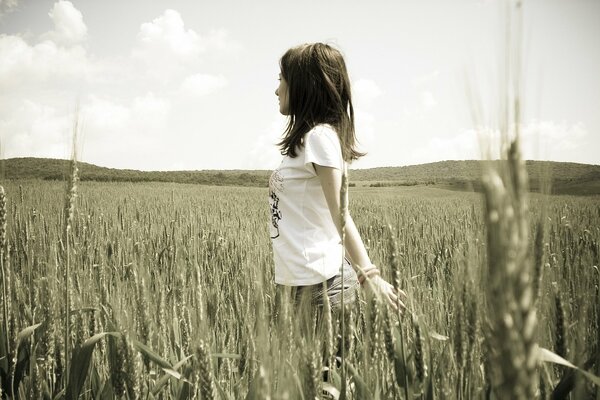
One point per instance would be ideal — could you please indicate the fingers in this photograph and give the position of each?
(395, 301)
(401, 305)
(395, 297)
(399, 292)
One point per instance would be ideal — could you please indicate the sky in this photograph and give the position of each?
(189, 85)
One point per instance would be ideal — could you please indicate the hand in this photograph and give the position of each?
(381, 287)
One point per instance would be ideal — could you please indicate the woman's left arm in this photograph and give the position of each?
(331, 183)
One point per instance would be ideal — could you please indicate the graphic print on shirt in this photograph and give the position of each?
(275, 184)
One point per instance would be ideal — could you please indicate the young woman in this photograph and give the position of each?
(314, 92)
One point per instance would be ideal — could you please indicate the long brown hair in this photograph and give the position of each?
(318, 93)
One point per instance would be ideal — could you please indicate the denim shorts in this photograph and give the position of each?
(315, 292)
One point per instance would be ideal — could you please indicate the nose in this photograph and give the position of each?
(277, 92)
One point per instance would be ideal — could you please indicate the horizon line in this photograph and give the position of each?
(266, 169)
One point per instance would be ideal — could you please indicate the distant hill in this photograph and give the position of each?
(567, 178)
(55, 169)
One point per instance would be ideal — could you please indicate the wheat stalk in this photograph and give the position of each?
(393, 260)
(68, 224)
(343, 212)
(510, 297)
(5, 276)
(204, 376)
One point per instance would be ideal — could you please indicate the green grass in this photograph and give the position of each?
(168, 266)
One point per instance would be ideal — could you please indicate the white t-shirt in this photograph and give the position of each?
(306, 244)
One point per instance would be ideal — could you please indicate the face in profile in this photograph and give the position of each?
(282, 93)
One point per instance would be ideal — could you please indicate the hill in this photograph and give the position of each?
(567, 178)
(55, 169)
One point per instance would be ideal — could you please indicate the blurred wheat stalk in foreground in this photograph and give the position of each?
(511, 315)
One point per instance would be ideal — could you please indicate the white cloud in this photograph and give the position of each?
(463, 146)
(7, 6)
(103, 115)
(166, 48)
(57, 59)
(150, 111)
(142, 117)
(365, 91)
(168, 35)
(36, 130)
(265, 154)
(69, 28)
(177, 166)
(136, 130)
(127, 113)
(550, 140)
(14, 54)
(414, 149)
(366, 137)
(202, 84)
(561, 135)
(427, 99)
(540, 140)
(365, 129)
(22, 64)
(426, 79)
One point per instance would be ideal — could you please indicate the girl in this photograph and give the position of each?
(314, 92)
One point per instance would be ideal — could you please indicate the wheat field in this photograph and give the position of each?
(170, 295)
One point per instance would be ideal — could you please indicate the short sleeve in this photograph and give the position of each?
(322, 147)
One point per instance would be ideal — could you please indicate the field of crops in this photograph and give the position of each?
(174, 286)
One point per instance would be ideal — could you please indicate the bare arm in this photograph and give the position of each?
(331, 183)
